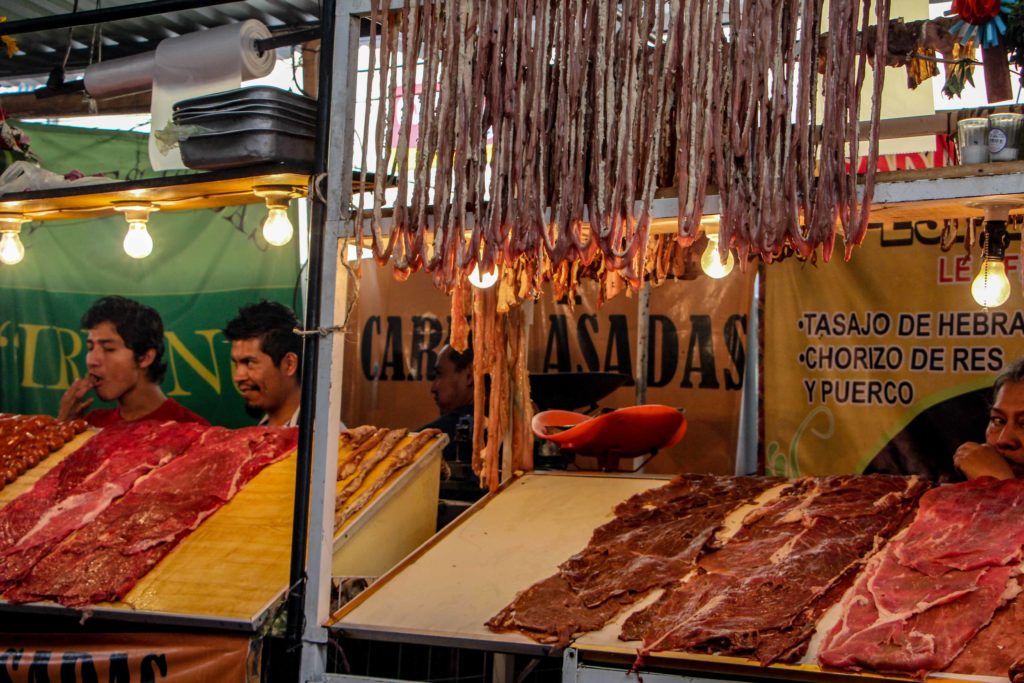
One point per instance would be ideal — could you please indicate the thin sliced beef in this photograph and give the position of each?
(84, 490)
(656, 536)
(918, 604)
(704, 594)
(550, 612)
(23, 513)
(643, 559)
(900, 590)
(776, 575)
(652, 542)
(974, 524)
(105, 558)
(928, 630)
(997, 646)
(788, 644)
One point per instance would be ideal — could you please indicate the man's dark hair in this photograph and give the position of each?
(272, 323)
(138, 324)
(461, 360)
(1011, 374)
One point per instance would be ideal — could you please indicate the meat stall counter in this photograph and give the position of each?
(480, 567)
(225, 579)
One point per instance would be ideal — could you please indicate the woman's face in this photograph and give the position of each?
(1005, 430)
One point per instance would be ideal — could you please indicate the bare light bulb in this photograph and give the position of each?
(11, 249)
(991, 287)
(711, 263)
(137, 241)
(485, 280)
(277, 229)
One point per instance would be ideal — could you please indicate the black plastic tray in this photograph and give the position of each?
(241, 148)
(262, 94)
(572, 390)
(230, 123)
(189, 115)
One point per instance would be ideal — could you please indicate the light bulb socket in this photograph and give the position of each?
(136, 212)
(11, 222)
(276, 195)
(995, 240)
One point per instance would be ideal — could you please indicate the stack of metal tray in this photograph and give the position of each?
(245, 126)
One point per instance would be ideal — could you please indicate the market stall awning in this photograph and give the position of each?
(40, 51)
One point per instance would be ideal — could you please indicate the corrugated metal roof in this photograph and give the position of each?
(40, 52)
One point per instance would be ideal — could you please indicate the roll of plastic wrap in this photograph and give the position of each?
(125, 76)
(201, 63)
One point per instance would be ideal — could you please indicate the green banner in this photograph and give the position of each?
(204, 265)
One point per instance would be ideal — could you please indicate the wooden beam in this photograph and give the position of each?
(28, 106)
(310, 67)
(927, 124)
(172, 193)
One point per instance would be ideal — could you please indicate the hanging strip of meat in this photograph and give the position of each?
(857, 229)
(483, 319)
(539, 116)
(531, 137)
(521, 413)
(460, 326)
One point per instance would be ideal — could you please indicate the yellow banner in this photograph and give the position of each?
(882, 363)
(697, 347)
(126, 658)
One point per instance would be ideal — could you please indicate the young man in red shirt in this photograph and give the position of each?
(124, 363)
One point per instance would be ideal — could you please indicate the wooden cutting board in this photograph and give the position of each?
(236, 564)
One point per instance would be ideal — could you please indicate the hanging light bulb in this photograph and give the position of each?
(12, 251)
(138, 243)
(711, 262)
(11, 248)
(991, 287)
(483, 280)
(277, 228)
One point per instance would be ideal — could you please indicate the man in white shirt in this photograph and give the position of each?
(266, 353)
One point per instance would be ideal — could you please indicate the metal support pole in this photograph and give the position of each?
(746, 441)
(316, 470)
(643, 323)
(339, 52)
(503, 668)
(105, 14)
(316, 354)
(569, 666)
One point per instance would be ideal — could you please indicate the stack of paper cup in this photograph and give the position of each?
(972, 135)
(1004, 135)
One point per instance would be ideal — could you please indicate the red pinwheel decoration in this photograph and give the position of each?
(986, 18)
